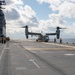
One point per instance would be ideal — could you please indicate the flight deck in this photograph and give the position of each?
(28, 57)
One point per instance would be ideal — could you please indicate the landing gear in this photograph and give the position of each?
(3, 41)
(54, 39)
(60, 40)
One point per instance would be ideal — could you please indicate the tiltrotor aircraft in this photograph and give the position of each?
(41, 37)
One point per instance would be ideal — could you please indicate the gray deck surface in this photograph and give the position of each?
(23, 57)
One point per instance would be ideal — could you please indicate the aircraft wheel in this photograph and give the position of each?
(37, 40)
(4, 41)
(46, 41)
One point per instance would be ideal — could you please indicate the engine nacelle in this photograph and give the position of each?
(58, 33)
(26, 31)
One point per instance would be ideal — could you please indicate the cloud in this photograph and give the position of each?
(50, 24)
(13, 2)
(66, 9)
(12, 15)
(17, 14)
(71, 29)
(57, 19)
(29, 12)
(72, 1)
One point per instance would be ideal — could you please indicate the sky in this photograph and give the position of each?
(40, 15)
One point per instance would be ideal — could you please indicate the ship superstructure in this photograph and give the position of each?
(2, 23)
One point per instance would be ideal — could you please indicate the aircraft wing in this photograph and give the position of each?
(32, 33)
(50, 33)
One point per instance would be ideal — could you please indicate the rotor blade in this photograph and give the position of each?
(60, 28)
(25, 26)
(16, 27)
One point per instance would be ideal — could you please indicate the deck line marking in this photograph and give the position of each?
(2, 52)
(21, 68)
(59, 45)
(69, 54)
(35, 63)
(32, 48)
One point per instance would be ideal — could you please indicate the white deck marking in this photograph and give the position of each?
(5, 47)
(69, 54)
(2, 52)
(32, 60)
(21, 68)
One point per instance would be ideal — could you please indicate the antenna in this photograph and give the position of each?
(2, 3)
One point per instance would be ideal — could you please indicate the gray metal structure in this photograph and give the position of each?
(2, 23)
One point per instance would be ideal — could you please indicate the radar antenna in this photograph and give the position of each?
(2, 3)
